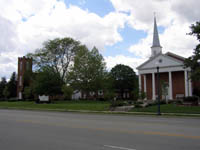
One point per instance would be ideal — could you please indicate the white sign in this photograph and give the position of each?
(44, 98)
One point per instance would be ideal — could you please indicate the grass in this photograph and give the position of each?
(170, 108)
(59, 105)
(95, 106)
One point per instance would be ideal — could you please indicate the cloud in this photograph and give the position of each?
(60, 21)
(8, 35)
(175, 39)
(132, 62)
(174, 17)
(8, 64)
(28, 25)
(141, 13)
(187, 10)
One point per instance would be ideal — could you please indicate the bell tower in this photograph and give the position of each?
(24, 64)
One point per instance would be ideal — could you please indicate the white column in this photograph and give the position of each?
(153, 87)
(170, 86)
(145, 84)
(186, 83)
(190, 87)
(140, 82)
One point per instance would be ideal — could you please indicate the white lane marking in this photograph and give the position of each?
(116, 147)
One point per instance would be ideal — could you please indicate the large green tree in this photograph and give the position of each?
(88, 71)
(3, 84)
(12, 85)
(47, 82)
(124, 78)
(57, 54)
(194, 61)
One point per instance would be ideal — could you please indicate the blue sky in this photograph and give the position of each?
(120, 29)
(130, 35)
(103, 7)
(100, 7)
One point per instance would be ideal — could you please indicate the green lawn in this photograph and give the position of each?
(62, 105)
(95, 106)
(170, 108)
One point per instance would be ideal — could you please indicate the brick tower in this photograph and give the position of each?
(24, 64)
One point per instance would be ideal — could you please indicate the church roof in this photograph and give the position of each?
(170, 56)
(156, 41)
(175, 56)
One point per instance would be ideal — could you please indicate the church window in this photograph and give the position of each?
(27, 65)
(92, 93)
(100, 92)
(21, 66)
(128, 96)
(20, 80)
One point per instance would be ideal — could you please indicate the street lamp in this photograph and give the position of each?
(158, 85)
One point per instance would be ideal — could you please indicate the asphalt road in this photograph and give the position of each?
(34, 130)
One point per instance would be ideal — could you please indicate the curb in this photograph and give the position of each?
(106, 112)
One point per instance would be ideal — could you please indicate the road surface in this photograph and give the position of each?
(37, 130)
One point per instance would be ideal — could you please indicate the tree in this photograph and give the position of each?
(124, 78)
(57, 54)
(109, 91)
(67, 91)
(88, 72)
(12, 85)
(192, 61)
(47, 82)
(6, 92)
(164, 89)
(3, 84)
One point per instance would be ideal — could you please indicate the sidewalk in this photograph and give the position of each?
(109, 112)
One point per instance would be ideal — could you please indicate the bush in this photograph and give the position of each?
(109, 95)
(138, 102)
(135, 94)
(179, 102)
(142, 95)
(130, 102)
(196, 92)
(191, 99)
(138, 106)
(117, 103)
(156, 102)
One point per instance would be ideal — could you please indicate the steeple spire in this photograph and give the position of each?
(156, 48)
(156, 41)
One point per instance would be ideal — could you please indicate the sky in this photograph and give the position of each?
(122, 30)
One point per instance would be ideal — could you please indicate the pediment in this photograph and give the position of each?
(164, 61)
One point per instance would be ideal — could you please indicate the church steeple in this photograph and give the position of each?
(156, 48)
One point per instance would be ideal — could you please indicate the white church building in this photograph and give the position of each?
(171, 71)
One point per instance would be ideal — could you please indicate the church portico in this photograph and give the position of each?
(177, 81)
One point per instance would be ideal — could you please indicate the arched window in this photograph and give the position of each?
(21, 66)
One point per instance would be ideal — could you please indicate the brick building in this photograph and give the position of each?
(24, 64)
(171, 71)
